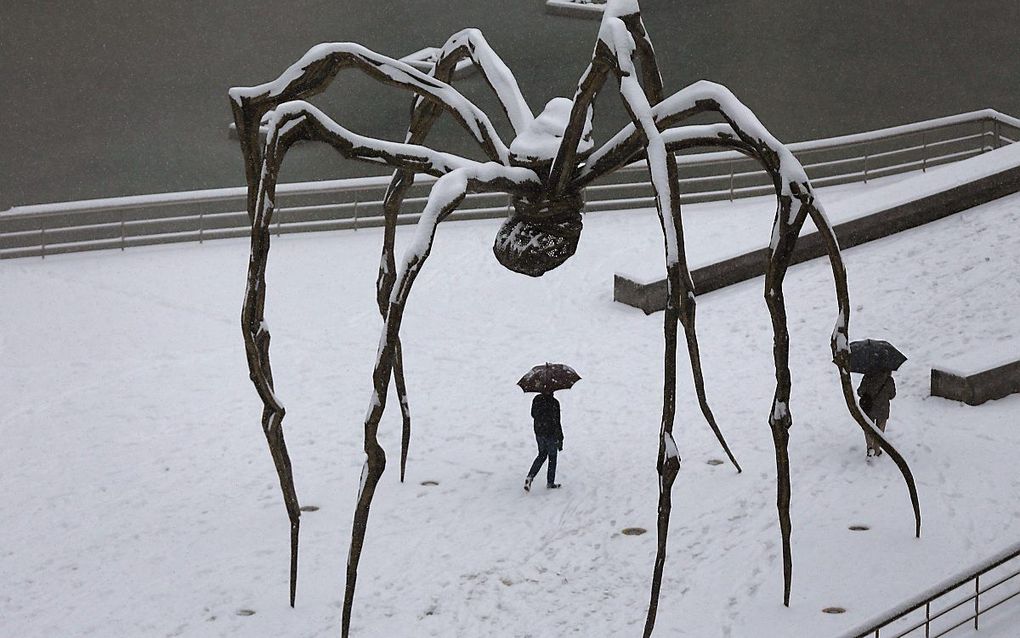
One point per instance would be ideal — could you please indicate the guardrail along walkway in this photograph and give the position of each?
(47, 229)
(955, 603)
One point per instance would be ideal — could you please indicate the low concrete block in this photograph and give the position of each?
(647, 297)
(976, 388)
(949, 385)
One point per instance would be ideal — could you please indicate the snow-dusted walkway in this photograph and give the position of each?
(140, 500)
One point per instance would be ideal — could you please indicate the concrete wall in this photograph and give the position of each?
(651, 297)
(979, 387)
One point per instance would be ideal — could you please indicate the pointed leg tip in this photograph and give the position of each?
(733, 461)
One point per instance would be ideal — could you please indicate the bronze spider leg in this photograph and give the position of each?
(652, 83)
(470, 43)
(293, 121)
(620, 37)
(590, 84)
(797, 206)
(307, 77)
(841, 357)
(314, 71)
(789, 219)
(447, 193)
(679, 306)
(796, 201)
(467, 43)
(614, 52)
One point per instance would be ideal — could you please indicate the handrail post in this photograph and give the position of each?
(998, 133)
(924, 151)
(355, 210)
(200, 226)
(731, 182)
(42, 237)
(977, 593)
(867, 151)
(122, 238)
(927, 619)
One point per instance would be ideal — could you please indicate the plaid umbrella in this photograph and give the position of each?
(874, 355)
(549, 377)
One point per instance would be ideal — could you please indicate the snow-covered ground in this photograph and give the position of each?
(140, 499)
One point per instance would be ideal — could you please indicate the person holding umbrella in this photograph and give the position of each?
(545, 410)
(877, 389)
(876, 359)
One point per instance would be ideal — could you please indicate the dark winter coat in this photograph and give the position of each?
(876, 390)
(545, 409)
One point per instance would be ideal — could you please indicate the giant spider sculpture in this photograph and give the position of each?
(549, 162)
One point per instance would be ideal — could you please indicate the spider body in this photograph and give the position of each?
(543, 230)
(544, 170)
(539, 236)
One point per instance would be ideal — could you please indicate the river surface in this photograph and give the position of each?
(104, 98)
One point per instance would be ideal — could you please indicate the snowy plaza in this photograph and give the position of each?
(141, 499)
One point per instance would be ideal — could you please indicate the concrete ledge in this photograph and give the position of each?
(575, 9)
(646, 296)
(651, 297)
(975, 389)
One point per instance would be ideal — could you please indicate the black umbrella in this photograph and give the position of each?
(874, 355)
(549, 377)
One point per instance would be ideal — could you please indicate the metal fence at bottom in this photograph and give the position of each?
(957, 603)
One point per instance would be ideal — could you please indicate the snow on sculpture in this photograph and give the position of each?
(544, 169)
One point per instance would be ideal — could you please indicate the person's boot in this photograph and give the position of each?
(527, 483)
(553, 486)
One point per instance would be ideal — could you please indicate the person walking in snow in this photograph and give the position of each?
(545, 410)
(877, 389)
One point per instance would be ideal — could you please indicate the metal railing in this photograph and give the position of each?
(121, 222)
(953, 604)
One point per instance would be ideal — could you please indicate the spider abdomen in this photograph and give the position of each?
(537, 238)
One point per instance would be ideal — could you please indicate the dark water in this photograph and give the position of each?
(104, 98)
